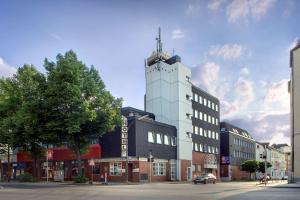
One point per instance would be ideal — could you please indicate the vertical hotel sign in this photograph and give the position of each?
(124, 137)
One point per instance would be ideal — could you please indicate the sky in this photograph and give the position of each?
(238, 50)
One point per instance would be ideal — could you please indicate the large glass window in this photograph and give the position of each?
(150, 137)
(158, 138)
(159, 169)
(167, 140)
(115, 169)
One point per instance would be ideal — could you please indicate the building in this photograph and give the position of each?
(237, 146)
(286, 151)
(206, 140)
(152, 150)
(169, 94)
(294, 89)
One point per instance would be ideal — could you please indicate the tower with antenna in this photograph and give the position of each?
(167, 87)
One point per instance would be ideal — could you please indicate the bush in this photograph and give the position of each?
(81, 179)
(26, 178)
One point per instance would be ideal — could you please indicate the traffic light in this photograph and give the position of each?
(260, 155)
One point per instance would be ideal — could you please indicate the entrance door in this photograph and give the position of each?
(189, 173)
(130, 175)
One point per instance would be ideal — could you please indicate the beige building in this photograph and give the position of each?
(294, 89)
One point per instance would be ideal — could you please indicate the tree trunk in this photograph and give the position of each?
(78, 158)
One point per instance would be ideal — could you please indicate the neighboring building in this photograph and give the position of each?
(206, 139)
(277, 159)
(146, 138)
(237, 146)
(169, 96)
(294, 89)
(286, 150)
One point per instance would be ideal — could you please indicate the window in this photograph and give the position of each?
(159, 169)
(205, 133)
(167, 140)
(196, 130)
(209, 119)
(217, 121)
(217, 135)
(204, 101)
(96, 169)
(158, 138)
(209, 103)
(150, 137)
(205, 148)
(209, 133)
(115, 169)
(201, 131)
(217, 107)
(200, 99)
(173, 141)
(196, 114)
(209, 150)
(196, 97)
(213, 105)
(213, 149)
(217, 150)
(196, 147)
(212, 120)
(201, 115)
(205, 117)
(213, 135)
(201, 147)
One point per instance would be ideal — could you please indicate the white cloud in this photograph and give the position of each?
(177, 34)
(5, 69)
(245, 10)
(277, 99)
(245, 71)
(206, 76)
(214, 5)
(243, 94)
(193, 8)
(263, 83)
(227, 51)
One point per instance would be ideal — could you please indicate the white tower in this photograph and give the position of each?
(168, 96)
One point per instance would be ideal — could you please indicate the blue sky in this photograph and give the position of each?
(238, 50)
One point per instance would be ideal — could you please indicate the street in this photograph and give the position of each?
(166, 191)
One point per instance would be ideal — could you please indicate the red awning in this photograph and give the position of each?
(64, 153)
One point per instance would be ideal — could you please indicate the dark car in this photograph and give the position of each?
(205, 178)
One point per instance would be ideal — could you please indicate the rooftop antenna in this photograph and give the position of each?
(159, 43)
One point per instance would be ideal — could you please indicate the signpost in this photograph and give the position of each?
(48, 156)
(92, 163)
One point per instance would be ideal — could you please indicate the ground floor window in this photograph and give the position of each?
(173, 169)
(115, 169)
(159, 169)
(96, 169)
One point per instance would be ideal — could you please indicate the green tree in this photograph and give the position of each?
(9, 103)
(78, 104)
(250, 166)
(261, 166)
(30, 130)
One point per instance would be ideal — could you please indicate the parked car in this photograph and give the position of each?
(285, 178)
(205, 178)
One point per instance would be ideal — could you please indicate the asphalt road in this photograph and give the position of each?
(161, 191)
